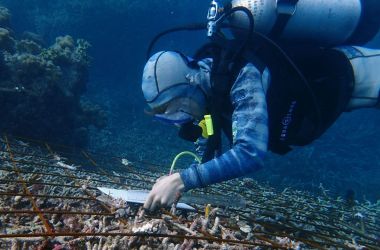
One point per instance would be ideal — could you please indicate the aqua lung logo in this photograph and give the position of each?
(287, 120)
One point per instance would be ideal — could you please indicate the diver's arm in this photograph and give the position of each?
(250, 134)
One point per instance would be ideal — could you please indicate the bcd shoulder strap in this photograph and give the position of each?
(294, 116)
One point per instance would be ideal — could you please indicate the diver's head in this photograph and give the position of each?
(171, 88)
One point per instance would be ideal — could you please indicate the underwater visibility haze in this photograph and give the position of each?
(99, 103)
(71, 72)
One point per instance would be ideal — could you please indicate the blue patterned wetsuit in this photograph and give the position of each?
(250, 135)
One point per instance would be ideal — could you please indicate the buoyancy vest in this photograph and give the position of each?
(309, 89)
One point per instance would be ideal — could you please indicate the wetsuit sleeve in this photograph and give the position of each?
(250, 135)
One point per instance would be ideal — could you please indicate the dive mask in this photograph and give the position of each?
(178, 111)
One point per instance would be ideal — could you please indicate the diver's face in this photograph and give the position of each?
(180, 111)
(191, 107)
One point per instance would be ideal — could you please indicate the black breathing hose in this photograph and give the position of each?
(191, 27)
(203, 26)
(250, 27)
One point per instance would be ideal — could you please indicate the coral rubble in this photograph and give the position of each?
(41, 88)
(80, 217)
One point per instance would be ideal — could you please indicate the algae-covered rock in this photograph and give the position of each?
(7, 42)
(33, 37)
(5, 17)
(64, 42)
(94, 114)
(31, 70)
(28, 46)
(41, 89)
(67, 51)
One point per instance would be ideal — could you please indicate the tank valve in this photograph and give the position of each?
(215, 11)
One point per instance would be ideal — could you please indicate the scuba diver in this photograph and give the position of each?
(283, 80)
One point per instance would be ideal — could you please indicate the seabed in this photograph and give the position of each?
(49, 200)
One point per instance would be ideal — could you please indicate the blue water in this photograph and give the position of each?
(346, 157)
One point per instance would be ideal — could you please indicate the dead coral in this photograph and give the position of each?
(272, 220)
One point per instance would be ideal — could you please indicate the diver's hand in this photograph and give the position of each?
(165, 192)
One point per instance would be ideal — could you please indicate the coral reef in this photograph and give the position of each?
(7, 41)
(41, 88)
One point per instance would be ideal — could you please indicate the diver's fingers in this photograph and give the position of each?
(149, 200)
(155, 204)
(160, 178)
(165, 202)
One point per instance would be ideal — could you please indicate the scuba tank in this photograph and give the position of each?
(318, 22)
(325, 23)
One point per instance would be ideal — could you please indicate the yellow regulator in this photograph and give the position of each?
(207, 126)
